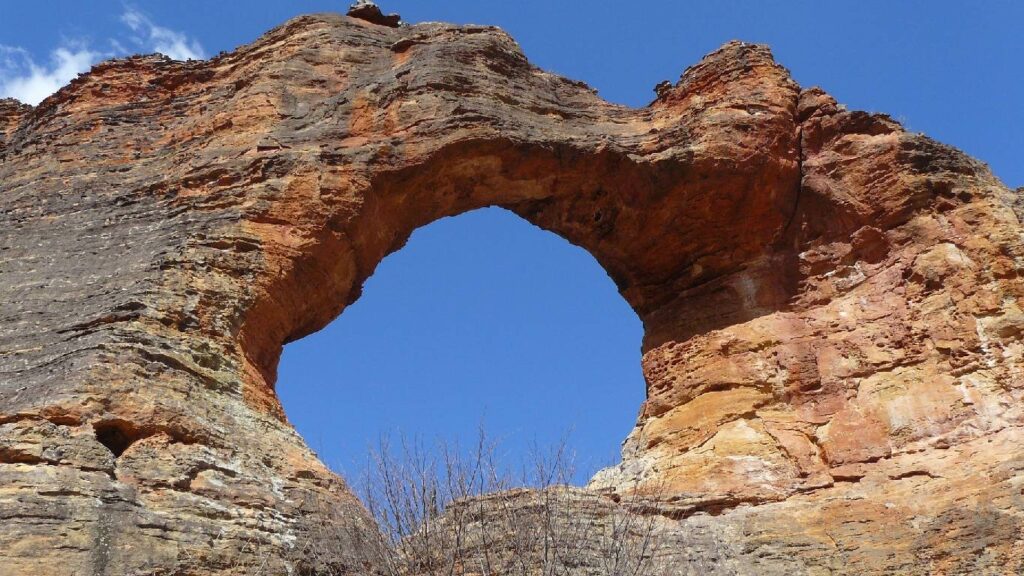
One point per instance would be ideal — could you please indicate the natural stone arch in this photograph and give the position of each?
(481, 323)
(809, 279)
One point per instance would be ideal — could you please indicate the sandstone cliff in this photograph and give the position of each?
(832, 310)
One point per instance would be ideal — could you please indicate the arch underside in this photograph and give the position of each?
(830, 303)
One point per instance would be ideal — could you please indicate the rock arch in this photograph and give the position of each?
(831, 304)
(479, 320)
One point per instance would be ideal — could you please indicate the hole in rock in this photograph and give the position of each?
(117, 436)
(481, 321)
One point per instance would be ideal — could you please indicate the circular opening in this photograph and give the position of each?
(481, 321)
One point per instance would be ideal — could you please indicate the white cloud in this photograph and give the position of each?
(23, 78)
(175, 45)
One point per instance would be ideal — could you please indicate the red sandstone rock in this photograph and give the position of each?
(831, 304)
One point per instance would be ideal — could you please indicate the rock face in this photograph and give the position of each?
(832, 305)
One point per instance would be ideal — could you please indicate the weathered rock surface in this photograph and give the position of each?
(832, 305)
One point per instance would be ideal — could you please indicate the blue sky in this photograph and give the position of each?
(486, 317)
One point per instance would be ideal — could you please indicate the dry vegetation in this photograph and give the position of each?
(453, 512)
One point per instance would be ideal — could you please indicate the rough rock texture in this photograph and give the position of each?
(832, 305)
(366, 10)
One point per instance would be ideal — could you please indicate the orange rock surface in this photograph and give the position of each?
(832, 305)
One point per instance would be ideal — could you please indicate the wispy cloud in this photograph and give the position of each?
(23, 78)
(175, 45)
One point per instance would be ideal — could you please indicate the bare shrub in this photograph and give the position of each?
(457, 512)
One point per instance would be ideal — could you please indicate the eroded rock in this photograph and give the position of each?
(831, 304)
(367, 10)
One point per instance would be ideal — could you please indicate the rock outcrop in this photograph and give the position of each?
(832, 305)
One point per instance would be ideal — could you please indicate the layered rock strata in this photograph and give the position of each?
(831, 304)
